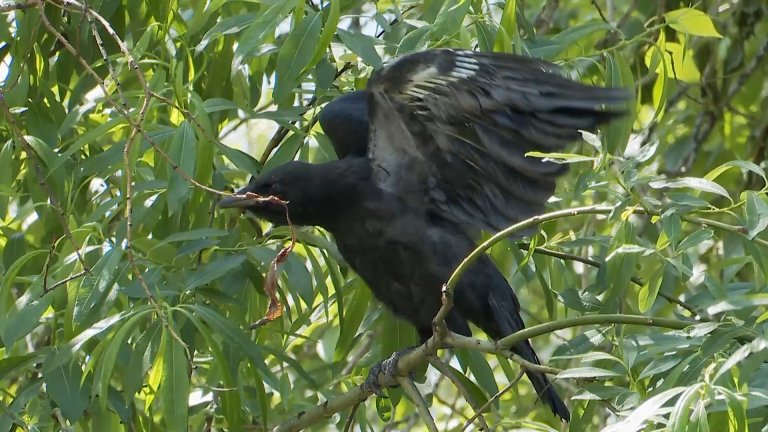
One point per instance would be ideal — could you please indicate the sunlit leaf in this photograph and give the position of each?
(691, 21)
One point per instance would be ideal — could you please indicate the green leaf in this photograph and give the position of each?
(329, 29)
(353, 313)
(699, 184)
(174, 385)
(737, 302)
(450, 19)
(64, 386)
(587, 372)
(649, 291)
(197, 234)
(14, 363)
(416, 40)
(213, 270)
(486, 34)
(25, 315)
(262, 28)
(650, 408)
(234, 335)
(240, 159)
(219, 104)
(231, 400)
(286, 152)
(507, 27)
(110, 349)
(15, 248)
(744, 165)
(361, 45)
(737, 414)
(681, 413)
(229, 25)
(756, 214)
(691, 21)
(478, 365)
(5, 288)
(296, 56)
(660, 365)
(183, 154)
(96, 287)
(695, 238)
(619, 74)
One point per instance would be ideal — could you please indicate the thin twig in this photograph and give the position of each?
(47, 265)
(478, 412)
(351, 418)
(449, 373)
(64, 281)
(600, 12)
(17, 6)
(421, 405)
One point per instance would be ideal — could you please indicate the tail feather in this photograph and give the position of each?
(548, 394)
(506, 312)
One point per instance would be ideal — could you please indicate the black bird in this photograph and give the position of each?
(430, 153)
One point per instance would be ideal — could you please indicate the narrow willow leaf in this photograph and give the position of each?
(183, 154)
(295, 56)
(619, 74)
(756, 214)
(213, 270)
(260, 29)
(695, 183)
(361, 45)
(695, 238)
(95, 287)
(587, 372)
(64, 386)
(507, 27)
(650, 408)
(174, 385)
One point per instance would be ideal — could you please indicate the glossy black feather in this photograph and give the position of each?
(345, 121)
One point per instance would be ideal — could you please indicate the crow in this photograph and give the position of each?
(432, 152)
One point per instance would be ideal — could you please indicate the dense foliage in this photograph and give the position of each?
(126, 298)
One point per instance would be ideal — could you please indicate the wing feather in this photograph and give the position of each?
(450, 130)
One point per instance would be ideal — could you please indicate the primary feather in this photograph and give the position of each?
(453, 128)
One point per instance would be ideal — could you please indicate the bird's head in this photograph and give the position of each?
(292, 183)
(314, 194)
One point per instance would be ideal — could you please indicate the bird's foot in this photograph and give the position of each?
(388, 368)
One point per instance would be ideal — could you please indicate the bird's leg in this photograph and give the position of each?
(388, 368)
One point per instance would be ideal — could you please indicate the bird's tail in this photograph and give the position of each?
(506, 311)
(546, 390)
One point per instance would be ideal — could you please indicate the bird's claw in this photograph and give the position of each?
(388, 368)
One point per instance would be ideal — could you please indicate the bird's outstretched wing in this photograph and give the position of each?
(451, 129)
(345, 121)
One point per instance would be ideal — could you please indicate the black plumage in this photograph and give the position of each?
(432, 152)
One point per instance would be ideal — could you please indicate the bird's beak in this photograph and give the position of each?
(234, 201)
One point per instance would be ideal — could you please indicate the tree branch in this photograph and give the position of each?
(421, 355)
(421, 405)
